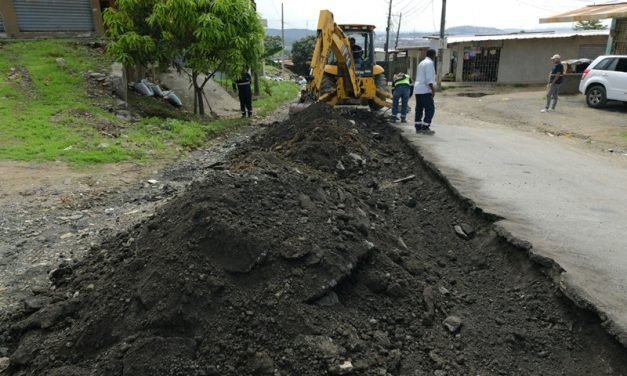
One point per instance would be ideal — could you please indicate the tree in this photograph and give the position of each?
(195, 36)
(302, 52)
(589, 25)
(272, 45)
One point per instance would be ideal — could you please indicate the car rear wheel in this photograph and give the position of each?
(596, 97)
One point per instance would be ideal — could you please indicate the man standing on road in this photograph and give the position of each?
(425, 91)
(555, 79)
(401, 90)
(245, 94)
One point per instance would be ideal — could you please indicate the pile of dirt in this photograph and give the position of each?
(305, 254)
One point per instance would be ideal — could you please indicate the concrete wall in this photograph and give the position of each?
(528, 61)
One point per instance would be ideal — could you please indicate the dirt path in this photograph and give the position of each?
(299, 251)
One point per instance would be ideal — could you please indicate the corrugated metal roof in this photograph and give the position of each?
(549, 35)
(590, 12)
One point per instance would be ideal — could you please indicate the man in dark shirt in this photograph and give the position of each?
(358, 52)
(555, 79)
(245, 94)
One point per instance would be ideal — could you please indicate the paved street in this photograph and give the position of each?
(568, 202)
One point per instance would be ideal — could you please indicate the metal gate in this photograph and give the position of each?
(481, 64)
(54, 15)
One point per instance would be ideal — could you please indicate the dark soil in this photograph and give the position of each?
(301, 255)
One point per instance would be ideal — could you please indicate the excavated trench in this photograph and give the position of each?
(324, 246)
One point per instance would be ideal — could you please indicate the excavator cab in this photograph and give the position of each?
(364, 57)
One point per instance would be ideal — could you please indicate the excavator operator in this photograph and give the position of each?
(357, 52)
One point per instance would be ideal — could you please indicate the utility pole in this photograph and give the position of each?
(282, 40)
(255, 73)
(387, 43)
(442, 45)
(398, 30)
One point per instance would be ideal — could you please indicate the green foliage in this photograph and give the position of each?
(589, 25)
(302, 52)
(267, 89)
(202, 35)
(206, 34)
(272, 45)
(46, 114)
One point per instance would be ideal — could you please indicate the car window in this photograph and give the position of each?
(622, 65)
(606, 64)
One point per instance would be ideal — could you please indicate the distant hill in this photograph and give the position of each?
(475, 30)
(291, 35)
(408, 38)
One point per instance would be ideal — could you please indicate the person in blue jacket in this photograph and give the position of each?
(245, 94)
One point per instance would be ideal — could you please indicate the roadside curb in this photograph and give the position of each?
(549, 266)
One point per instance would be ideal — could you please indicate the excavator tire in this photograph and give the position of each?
(328, 84)
(381, 83)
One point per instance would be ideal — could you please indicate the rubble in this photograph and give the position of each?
(277, 262)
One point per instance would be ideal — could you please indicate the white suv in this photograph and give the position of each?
(605, 78)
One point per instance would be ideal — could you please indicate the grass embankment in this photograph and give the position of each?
(46, 112)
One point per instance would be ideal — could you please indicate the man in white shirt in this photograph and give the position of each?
(424, 90)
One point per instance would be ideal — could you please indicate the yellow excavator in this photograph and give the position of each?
(343, 66)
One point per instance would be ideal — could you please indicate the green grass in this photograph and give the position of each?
(40, 100)
(274, 94)
(46, 115)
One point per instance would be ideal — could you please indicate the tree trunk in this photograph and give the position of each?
(199, 105)
(256, 81)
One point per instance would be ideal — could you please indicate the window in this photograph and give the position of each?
(622, 65)
(606, 64)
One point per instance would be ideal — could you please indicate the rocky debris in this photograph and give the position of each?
(262, 364)
(4, 363)
(35, 303)
(227, 277)
(452, 323)
(342, 369)
(461, 233)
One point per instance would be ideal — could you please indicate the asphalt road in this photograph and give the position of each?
(568, 202)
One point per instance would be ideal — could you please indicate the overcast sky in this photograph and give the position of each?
(419, 15)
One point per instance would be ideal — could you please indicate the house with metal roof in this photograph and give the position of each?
(45, 18)
(519, 58)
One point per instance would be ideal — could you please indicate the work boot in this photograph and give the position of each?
(426, 129)
(243, 115)
(403, 120)
(250, 114)
(418, 126)
(393, 119)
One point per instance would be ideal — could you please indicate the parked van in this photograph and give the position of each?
(605, 79)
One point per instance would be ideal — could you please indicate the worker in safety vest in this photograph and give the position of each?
(402, 89)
